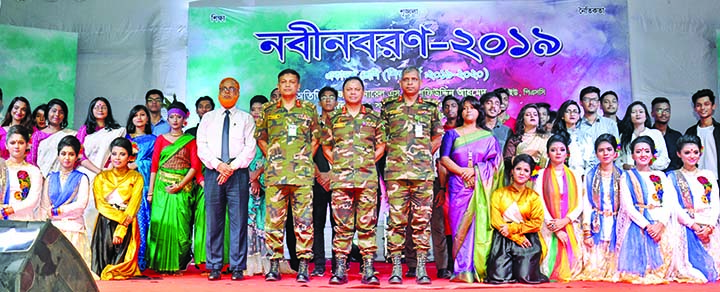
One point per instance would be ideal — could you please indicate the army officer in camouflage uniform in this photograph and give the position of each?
(414, 131)
(353, 141)
(287, 133)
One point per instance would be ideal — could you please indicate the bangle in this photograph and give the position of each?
(55, 212)
(443, 189)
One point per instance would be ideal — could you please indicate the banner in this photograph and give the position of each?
(543, 51)
(38, 64)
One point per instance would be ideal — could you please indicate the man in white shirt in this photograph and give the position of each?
(707, 129)
(592, 125)
(226, 178)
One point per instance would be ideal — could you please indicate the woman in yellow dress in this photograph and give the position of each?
(118, 192)
(516, 213)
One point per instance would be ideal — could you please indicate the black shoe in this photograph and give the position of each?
(339, 276)
(318, 271)
(411, 273)
(368, 273)
(302, 275)
(237, 275)
(274, 273)
(444, 274)
(214, 275)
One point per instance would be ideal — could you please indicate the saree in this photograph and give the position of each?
(600, 221)
(118, 195)
(4, 153)
(469, 214)
(37, 137)
(143, 160)
(257, 262)
(695, 195)
(96, 148)
(47, 152)
(562, 198)
(170, 218)
(536, 143)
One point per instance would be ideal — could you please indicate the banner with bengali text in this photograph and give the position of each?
(543, 51)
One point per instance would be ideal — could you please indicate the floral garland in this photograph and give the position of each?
(658, 195)
(24, 180)
(534, 174)
(708, 188)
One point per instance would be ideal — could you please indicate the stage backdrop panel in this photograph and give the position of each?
(544, 51)
(38, 64)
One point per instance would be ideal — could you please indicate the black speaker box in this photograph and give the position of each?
(36, 256)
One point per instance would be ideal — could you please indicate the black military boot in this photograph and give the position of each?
(302, 275)
(422, 277)
(396, 276)
(368, 273)
(274, 273)
(339, 276)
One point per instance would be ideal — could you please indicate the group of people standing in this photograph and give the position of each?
(591, 199)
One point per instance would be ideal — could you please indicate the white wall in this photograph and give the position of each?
(127, 47)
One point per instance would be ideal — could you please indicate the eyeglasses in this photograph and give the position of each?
(327, 98)
(591, 100)
(662, 111)
(571, 112)
(151, 100)
(228, 89)
(100, 108)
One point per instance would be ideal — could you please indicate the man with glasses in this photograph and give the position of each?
(227, 179)
(592, 125)
(661, 115)
(154, 99)
(288, 134)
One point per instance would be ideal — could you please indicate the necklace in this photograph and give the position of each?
(176, 135)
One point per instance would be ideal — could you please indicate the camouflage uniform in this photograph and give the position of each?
(289, 172)
(409, 173)
(354, 178)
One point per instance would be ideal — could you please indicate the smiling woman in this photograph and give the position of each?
(24, 181)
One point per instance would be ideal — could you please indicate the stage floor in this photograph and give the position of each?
(193, 280)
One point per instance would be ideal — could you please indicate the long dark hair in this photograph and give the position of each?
(131, 127)
(44, 109)
(475, 103)
(53, 102)
(559, 125)
(520, 123)
(91, 123)
(626, 127)
(27, 120)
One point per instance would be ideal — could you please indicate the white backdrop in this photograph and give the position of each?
(127, 47)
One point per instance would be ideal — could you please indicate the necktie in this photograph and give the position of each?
(225, 152)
